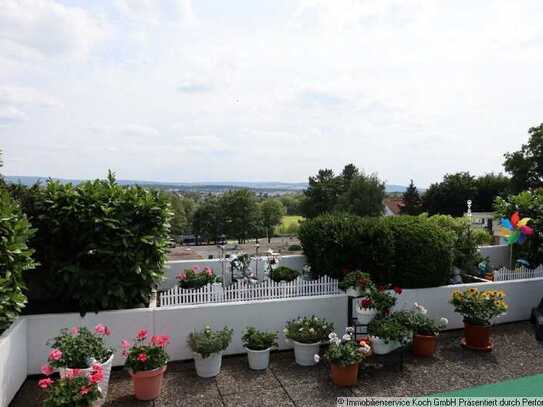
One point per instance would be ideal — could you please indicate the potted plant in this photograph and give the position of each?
(388, 334)
(377, 302)
(79, 348)
(75, 388)
(283, 273)
(258, 345)
(197, 278)
(307, 334)
(146, 363)
(478, 309)
(355, 283)
(344, 355)
(207, 347)
(425, 331)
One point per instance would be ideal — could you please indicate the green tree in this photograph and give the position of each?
(241, 214)
(489, 187)
(322, 194)
(412, 202)
(183, 212)
(208, 219)
(363, 196)
(526, 164)
(450, 196)
(271, 213)
(292, 203)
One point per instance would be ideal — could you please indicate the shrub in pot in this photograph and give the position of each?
(74, 389)
(283, 273)
(79, 349)
(258, 345)
(207, 347)
(307, 334)
(388, 333)
(146, 362)
(197, 277)
(425, 330)
(344, 355)
(356, 283)
(478, 309)
(377, 302)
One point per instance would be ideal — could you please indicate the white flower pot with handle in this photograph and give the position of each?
(103, 385)
(365, 315)
(380, 347)
(304, 353)
(258, 359)
(208, 367)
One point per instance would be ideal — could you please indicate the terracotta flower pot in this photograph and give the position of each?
(147, 383)
(344, 376)
(424, 345)
(477, 336)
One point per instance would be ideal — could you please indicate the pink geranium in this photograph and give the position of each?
(102, 330)
(45, 383)
(142, 357)
(55, 354)
(159, 340)
(142, 334)
(47, 370)
(125, 345)
(71, 373)
(84, 390)
(196, 269)
(74, 331)
(181, 276)
(97, 373)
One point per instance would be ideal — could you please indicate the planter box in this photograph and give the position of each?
(13, 360)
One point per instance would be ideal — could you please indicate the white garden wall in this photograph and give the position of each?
(13, 360)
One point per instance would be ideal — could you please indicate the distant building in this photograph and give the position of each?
(393, 205)
(487, 220)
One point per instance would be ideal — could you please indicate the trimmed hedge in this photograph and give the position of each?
(15, 257)
(100, 245)
(408, 251)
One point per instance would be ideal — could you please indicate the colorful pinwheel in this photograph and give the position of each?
(516, 230)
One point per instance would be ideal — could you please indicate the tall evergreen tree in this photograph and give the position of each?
(412, 202)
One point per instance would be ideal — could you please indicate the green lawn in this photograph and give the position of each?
(529, 386)
(289, 225)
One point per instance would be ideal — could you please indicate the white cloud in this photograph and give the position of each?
(10, 115)
(139, 130)
(19, 95)
(49, 28)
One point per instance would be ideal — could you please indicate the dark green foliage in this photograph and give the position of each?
(351, 191)
(489, 187)
(100, 245)
(529, 205)
(271, 213)
(79, 347)
(208, 219)
(258, 340)
(183, 213)
(412, 202)
(410, 252)
(15, 258)
(526, 164)
(207, 341)
(294, 248)
(283, 273)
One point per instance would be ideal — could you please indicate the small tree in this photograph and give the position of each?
(412, 202)
(271, 213)
(241, 214)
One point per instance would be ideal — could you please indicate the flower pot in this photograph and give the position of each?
(208, 367)
(380, 347)
(147, 383)
(424, 345)
(304, 353)
(104, 384)
(344, 376)
(477, 336)
(258, 359)
(365, 315)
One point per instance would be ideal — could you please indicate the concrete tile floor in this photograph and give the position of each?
(516, 354)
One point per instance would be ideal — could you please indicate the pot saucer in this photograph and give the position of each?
(480, 349)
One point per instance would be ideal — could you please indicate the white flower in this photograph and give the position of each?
(346, 337)
(349, 330)
(316, 358)
(332, 335)
(444, 321)
(311, 330)
(421, 309)
(364, 348)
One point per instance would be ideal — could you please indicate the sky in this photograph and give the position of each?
(266, 90)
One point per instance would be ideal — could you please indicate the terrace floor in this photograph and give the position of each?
(516, 354)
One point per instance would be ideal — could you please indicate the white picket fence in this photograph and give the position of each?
(244, 291)
(521, 273)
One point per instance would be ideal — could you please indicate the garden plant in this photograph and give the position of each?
(207, 346)
(258, 345)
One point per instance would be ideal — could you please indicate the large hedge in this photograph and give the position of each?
(100, 245)
(15, 257)
(412, 252)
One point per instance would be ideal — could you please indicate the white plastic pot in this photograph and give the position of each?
(380, 347)
(208, 367)
(304, 353)
(258, 359)
(365, 315)
(104, 384)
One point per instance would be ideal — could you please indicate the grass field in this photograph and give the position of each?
(289, 225)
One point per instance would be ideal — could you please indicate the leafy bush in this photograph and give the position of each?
(308, 329)
(283, 273)
(196, 278)
(207, 342)
(15, 258)
(75, 348)
(294, 248)
(145, 356)
(258, 340)
(408, 251)
(100, 245)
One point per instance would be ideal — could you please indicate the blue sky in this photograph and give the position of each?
(181, 90)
